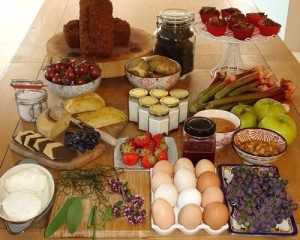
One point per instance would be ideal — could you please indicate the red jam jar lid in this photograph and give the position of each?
(199, 127)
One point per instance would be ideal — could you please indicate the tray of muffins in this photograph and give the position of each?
(231, 25)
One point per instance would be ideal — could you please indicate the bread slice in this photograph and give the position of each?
(102, 117)
(84, 103)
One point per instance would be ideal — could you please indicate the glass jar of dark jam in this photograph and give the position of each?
(199, 141)
(175, 38)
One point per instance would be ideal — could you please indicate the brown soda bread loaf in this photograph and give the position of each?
(96, 27)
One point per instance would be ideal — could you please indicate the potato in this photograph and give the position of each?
(138, 66)
(162, 65)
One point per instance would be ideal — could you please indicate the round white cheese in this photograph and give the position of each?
(21, 206)
(26, 180)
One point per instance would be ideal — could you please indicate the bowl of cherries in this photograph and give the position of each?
(69, 78)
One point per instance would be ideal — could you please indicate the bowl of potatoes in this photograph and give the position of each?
(152, 72)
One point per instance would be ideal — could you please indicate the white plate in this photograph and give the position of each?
(172, 154)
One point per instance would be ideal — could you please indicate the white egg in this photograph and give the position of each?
(184, 178)
(183, 163)
(187, 196)
(166, 191)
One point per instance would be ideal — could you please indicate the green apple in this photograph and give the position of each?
(282, 124)
(267, 106)
(246, 114)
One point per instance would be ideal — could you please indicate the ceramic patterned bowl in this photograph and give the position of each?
(222, 138)
(149, 83)
(264, 135)
(70, 91)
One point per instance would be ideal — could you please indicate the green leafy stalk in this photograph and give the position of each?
(74, 215)
(92, 221)
(60, 218)
(199, 104)
(235, 84)
(247, 97)
(246, 88)
(91, 216)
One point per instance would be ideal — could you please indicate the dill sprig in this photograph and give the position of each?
(90, 183)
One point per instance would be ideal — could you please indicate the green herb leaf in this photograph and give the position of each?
(74, 215)
(59, 219)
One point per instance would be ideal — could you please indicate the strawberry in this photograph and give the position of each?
(145, 151)
(162, 145)
(161, 154)
(130, 141)
(127, 147)
(150, 146)
(141, 141)
(157, 138)
(148, 161)
(130, 159)
(149, 135)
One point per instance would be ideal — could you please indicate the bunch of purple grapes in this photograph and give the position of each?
(259, 198)
(82, 139)
(130, 207)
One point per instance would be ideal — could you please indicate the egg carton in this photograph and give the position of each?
(180, 227)
(184, 230)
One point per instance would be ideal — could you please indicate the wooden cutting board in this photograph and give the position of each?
(138, 183)
(82, 159)
(140, 44)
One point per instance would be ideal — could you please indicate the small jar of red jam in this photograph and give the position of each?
(199, 141)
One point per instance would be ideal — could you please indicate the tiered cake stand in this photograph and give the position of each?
(231, 61)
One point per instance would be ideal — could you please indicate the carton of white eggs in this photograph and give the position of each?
(186, 198)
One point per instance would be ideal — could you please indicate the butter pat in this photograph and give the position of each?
(21, 206)
(52, 128)
(26, 180)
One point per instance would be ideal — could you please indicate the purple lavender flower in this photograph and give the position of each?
(134, 215)
(116, 185)
(116, 211)
(135, 200)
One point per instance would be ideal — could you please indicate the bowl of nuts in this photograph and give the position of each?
(258, 146)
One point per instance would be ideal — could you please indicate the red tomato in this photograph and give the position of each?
(70, 73)
(80, 81)
(57, 79)
(60, 67)
(95, 72)
(84, 69)
(49, 74)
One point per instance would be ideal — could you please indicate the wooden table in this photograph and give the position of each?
(31, 58)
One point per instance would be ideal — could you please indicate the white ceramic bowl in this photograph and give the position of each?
(46, 196)
(69, 91)
(222, 139)
(264, 135)
(149, 83)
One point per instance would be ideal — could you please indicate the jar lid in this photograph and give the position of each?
(170, 101)
(179, 93)
(148, 101)
(199, 127)
(159, 93)
(159, 110)
(138, 93)
(29, 97)
(176, 16)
